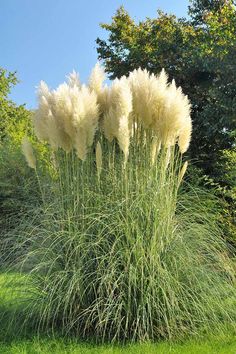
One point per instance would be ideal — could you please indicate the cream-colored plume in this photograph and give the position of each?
(138, 107)
(28, 152)
(85, 120)
(68, 116)
(155, 149)
(116, 117)
(185, 135)
(96, 79)
(73, 79)
(47, 120)
(148, 95)
(176, 112)
(183, 171)
(41, 114)
(99, 158)
(159, 106)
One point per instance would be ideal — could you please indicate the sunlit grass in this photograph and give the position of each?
(221, 342)
(134, 262)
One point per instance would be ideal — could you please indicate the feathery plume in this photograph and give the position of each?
(68, 116)
(176, 112)
(61, 108)
(155, 149)
(96, 79)
(99, 158)
(40, 116)
(47, 118)
(28, 152)
(148, 95)
(116, 118)
(85, 120)
(140, 86)
(182, 172)
(139, 106)
(73, 79)
(123, 136)
(185, 135)
(159, 106)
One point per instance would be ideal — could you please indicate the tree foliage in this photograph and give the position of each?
(199, 9)
(13, 119)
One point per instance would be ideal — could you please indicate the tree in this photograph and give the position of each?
(201, 59)
(13, 119)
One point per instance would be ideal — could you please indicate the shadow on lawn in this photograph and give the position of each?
(15, 325)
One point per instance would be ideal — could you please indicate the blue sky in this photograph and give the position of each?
(47, 39)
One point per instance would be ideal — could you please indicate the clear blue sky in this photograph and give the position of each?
(47, 39)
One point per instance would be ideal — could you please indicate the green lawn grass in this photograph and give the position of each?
(223, 342)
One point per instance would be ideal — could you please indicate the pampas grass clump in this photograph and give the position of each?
(120, 251)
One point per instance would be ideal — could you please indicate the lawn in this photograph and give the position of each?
(223, 342)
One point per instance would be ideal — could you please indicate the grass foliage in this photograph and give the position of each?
(126, 255)
(11, 341)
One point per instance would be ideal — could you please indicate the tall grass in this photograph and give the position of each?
(119, 252)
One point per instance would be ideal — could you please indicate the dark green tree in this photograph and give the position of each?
(12, 117)
(17, 186)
